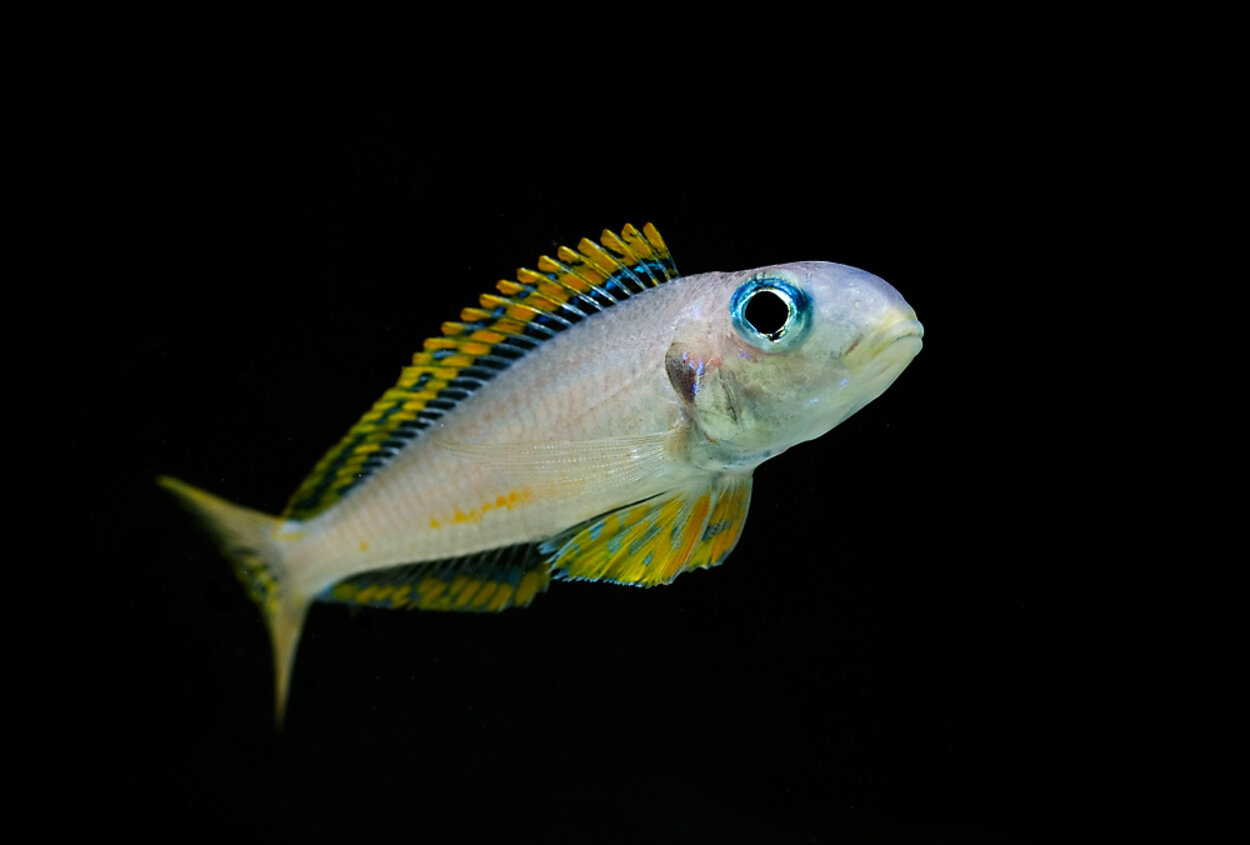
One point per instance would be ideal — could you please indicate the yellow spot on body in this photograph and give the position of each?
(435, 524)
(364, 545)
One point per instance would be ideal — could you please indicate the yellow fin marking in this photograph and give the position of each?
(502, 594)
(345, 592)
(484, 593)
(655, 541)
(429, 589)
(528, 587)
(463, 589)
(691, 532)
(486, 583)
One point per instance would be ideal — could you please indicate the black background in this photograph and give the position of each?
(893, 652)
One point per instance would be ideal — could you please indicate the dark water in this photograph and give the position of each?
(886, 655)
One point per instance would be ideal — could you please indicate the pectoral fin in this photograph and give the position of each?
(653, 541)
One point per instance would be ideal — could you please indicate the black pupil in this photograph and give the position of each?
(767, 313)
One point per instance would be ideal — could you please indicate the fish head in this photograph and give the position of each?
(780, 355)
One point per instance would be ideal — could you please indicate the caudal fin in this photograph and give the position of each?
(250, 540)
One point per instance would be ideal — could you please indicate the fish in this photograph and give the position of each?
(596, 419)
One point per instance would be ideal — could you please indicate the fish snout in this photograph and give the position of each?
(896, 336)
(903, 327)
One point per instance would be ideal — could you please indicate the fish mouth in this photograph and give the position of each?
(897, 339)
(906, 327)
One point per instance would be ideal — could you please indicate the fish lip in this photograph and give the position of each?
(904, 327)
(900, 330)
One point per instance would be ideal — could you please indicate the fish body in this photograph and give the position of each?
(597, 419)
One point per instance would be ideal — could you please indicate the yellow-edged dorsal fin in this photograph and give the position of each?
(483, 343)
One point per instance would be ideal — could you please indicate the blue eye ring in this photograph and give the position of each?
(776, 321)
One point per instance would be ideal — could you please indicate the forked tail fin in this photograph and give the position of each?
(250, 540)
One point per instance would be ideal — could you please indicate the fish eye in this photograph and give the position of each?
(769, 313)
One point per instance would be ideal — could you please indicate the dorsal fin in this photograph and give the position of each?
(563, 291)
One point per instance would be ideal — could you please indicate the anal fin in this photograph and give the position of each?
(486, 582)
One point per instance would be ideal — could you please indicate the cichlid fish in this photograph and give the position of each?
(597, 419)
